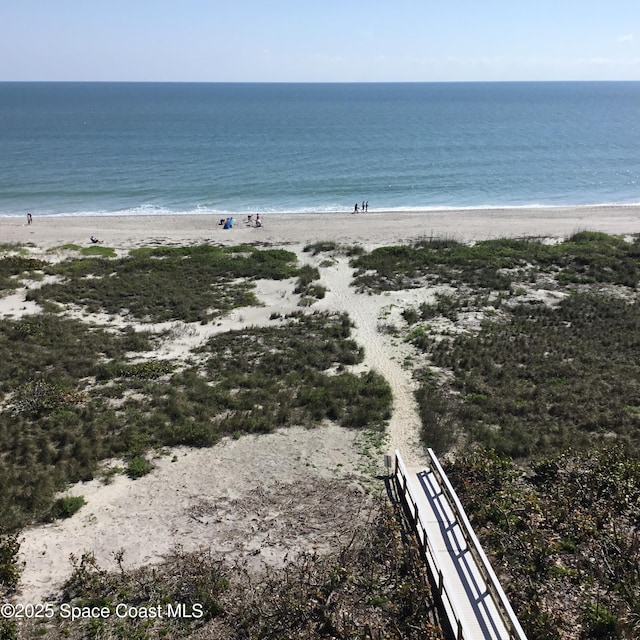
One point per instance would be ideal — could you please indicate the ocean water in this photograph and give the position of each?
(107, 148)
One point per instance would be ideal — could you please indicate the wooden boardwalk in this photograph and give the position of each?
(463, 579)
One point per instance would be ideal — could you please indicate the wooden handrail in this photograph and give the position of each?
(503, 606)
(443, 588)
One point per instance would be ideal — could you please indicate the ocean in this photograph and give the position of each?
(147, 148)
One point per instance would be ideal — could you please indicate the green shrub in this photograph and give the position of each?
(438, 415)
(320, 247)
(147, 370)
(306, 287)
(138, 467)
(599, 623)
(17, 265)
(410, 315)
(9, 571)
(66, 507)
(66, 247)
(545, 528)
(496, 265)
(167, 283)
(541, 379)
(103, 252)
(92, 403)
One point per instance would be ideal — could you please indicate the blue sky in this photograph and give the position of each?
(319, 40)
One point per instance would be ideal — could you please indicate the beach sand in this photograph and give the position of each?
(372, 228)
(263, 497)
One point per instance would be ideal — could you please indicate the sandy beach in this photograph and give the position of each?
(231, 496)
(371, 228)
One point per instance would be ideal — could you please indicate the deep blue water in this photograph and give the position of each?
(71, 148)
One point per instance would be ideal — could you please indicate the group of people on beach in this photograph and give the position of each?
(365, 207)
(227, 223)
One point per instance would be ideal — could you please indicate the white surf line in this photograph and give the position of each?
(380, 355)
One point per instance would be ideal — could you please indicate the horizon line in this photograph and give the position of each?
(554, 81)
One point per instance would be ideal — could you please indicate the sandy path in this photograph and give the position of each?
(294, 489)
(236, 487)
(382, 354)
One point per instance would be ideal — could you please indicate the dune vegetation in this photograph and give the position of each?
(530, 370)
(526, 361)
(74, 394)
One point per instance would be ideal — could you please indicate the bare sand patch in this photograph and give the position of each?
(263, 496)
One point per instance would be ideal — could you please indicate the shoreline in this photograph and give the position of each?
(373, 228)
(152, 210)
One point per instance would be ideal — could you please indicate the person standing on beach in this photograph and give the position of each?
(355, 209)
(366, 206)
(29, 218)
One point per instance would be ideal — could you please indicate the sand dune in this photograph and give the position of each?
(225, 497)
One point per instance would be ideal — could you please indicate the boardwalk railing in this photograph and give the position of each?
(445, 592)
(444, 589)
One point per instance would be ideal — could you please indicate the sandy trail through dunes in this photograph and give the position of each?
(149, 516)
(383, 353)
(259, 497)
